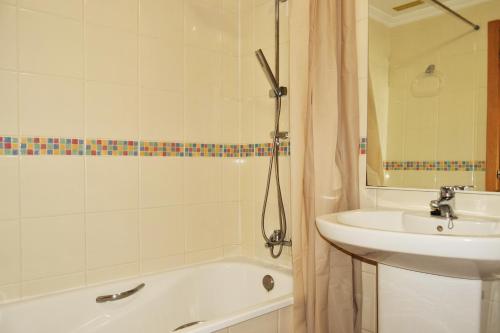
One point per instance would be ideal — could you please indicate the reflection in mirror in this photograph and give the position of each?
(428, 93)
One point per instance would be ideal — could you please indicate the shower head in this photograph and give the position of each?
(430, 69)
(269, 74)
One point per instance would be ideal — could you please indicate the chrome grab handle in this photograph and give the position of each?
(122, 295)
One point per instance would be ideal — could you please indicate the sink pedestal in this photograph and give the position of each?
(413, 302)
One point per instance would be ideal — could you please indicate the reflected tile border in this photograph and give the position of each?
(447, 165)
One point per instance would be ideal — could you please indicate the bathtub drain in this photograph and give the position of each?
(187, 325)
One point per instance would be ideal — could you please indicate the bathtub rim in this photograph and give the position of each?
(285, 269)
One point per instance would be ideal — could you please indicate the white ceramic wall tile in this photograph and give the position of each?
(52, 284)
(8, 40)
(230, 29)
(51, 106)
(111, 55)
(95, 276)
(112, 111)
(478, 203)
(203, 227)
(230, 121)
(119, 14)
(202, 99)
(112, 183)
(232, 224)
(405, 198)
(162, 115)
(53, 246)
(247, 217)
(264, 24)
(230, 179)
(162, 264)
(10, 2)
(202, 180)
(204, 255)
(68, 8)
(10, 293)
(9, 183)
(50, 44)
(230, 76)
(162, 232)
(161, 18)
(202, 24)
(247, 179)
(161, 65)
(161, 181)
(112, 239)
(8, 103)
(51, 185)
(10, 252)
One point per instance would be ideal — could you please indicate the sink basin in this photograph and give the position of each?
(419, 242)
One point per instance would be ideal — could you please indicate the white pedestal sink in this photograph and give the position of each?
(429, 277)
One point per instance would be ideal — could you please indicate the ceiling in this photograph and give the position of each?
(387, 5)
(382, 10)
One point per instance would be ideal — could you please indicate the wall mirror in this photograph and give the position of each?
(433, 95)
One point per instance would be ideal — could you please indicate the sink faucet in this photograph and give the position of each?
(444, 206)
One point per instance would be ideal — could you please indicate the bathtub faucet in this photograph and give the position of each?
(277, 238)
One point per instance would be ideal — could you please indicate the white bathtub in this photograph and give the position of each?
(220, 294)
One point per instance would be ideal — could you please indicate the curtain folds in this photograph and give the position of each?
(325, 128)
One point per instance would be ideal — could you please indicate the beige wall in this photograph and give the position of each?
(167, 71)
(450, 125)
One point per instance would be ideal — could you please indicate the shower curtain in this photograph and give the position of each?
(325, 141)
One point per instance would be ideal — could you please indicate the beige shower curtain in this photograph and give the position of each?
(325, 128)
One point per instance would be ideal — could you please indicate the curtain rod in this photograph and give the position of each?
(472, 24)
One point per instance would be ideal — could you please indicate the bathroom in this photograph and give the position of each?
(204, 166)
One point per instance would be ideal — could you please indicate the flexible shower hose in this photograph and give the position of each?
(279, 239)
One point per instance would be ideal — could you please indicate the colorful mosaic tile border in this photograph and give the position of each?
(285, 148)
(266, 149)
(99, 147)
(108, 147)
(435, 165)
(263, 149)
(247, 150)
(203, 150)
(9, 145)
(362, 146)
(51, 146)
(154, 148)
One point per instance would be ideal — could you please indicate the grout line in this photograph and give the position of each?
(139, 135)
(85, 125)
(18, 157)
(49, 13)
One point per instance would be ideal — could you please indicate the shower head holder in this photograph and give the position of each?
(282, 91)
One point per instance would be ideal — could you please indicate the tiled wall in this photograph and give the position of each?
(257, 121)
(131, 151)
(278, 321)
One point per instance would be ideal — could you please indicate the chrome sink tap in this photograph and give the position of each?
(444, 206)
